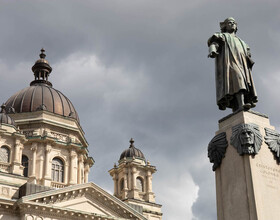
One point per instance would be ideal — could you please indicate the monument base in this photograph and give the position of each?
(247, 186)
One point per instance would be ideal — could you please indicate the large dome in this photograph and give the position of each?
(40, 95)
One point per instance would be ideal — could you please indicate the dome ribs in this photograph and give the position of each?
(49, 102)
(37, 99)
(18, 100)
(32, 98)
(61, 102)
(22, 100)
(25, 106)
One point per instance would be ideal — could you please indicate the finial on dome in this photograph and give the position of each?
(131, 142)
(42, 55)
(42, 70)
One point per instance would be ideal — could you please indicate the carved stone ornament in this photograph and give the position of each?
(217, 149)
(246, 138)
(272, 139)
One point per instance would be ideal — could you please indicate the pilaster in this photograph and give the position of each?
(16, 163)
(73, 168)
(47, 174)
(32, 177)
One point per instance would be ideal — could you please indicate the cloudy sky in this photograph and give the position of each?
(140, 69)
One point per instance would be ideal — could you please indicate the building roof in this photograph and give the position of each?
(132, 151)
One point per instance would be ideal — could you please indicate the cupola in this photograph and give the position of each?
(40, 95)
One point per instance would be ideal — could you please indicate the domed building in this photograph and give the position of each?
(133, 182)
(45, 162)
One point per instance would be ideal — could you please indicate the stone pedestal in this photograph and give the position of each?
(247, 186)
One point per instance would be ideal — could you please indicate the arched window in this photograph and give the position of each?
(139, 184)
(57, 170)
(24, 163)
(4, 154)
(121, 184)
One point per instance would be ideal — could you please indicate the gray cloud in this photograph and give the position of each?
(140, 69)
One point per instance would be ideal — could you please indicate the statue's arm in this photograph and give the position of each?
(214, 44)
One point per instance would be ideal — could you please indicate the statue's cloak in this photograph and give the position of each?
(233, 70)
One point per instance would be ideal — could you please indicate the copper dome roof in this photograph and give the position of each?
(4, 118)
(40, 95)
(132, 152)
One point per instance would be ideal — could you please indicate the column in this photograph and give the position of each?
(86, 172)
(149, 181)
(73, 166)
(48, 162)
(40, 155)
(33, 167)
(129, 182)
(133, 171)
(47, 175)
(115, 178)
(16, 152)
(149, 194)
(125, 189)
(134, 192)
(66, 171)
(16, 163)
(80, 165)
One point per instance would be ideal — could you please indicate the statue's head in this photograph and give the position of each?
(246, 138)
(229, 25)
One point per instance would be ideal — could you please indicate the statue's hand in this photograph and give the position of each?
(213, 54)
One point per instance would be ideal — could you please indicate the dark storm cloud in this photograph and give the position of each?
(140, 69)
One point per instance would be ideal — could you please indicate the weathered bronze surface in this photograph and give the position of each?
(272, 139)
(234, 83)
(132, 151)
(246, 138)
(217, 149)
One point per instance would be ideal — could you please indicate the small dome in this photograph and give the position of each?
(40, 95)
(132, 152)
(4, 118)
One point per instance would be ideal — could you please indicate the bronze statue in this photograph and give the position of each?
(234, 83)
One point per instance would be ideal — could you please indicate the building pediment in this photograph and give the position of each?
(84, 201)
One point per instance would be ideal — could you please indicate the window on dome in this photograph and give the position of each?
(139, 184)
(4, 154)
(57, 170)
(24, 163)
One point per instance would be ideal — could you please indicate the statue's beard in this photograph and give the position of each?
(248, 149)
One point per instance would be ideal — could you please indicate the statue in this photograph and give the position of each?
(234, 83)
(246, 138)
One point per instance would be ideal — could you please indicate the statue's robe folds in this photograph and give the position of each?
(233, 70)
